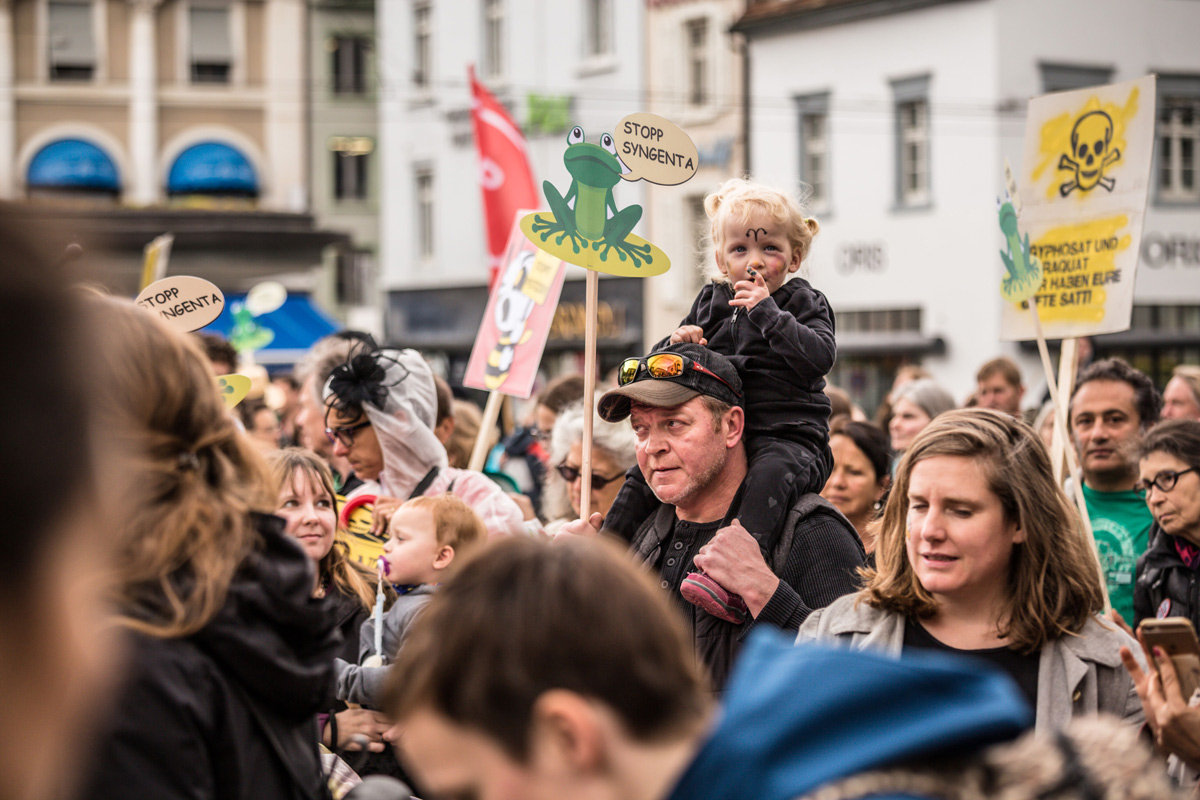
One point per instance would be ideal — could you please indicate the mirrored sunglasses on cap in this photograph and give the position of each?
(663, 366)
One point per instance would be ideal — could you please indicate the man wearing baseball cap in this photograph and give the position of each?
(684, 402)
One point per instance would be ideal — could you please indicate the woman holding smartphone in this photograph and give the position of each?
(980, 554)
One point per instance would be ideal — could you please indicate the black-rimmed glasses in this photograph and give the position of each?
(569, 474)
(345, 435)
(1164, 481)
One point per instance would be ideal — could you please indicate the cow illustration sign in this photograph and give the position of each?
(1084, 183)
(516, 323)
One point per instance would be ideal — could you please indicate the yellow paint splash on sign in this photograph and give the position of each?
(1078, 262)
(1061, 145)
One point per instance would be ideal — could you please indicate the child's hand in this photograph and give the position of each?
(750, 293)
(689, 333)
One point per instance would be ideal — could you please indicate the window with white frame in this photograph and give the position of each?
(912, 141)
(422, 44)
(814, 147)
(1178, 138)
(599, 24)
(493, 38)
(349, 64)
(210, 44)
(424, 204)
(71, 39)
(695, 33)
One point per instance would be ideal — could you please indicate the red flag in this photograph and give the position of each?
(504, 173)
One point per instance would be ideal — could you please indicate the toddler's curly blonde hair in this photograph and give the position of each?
(741, 198)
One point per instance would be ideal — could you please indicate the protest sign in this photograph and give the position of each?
(585, 227)
(184, 302)
(233, 388)
(516, 322)
(655, 149)
(1084, 179)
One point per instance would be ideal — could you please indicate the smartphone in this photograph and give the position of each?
(1177, 638)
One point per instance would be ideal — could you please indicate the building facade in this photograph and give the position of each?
(344, 153)
(126, 119)
(694, 78)
(900, 114)
(554, 65)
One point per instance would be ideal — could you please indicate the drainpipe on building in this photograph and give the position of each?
(746, 105)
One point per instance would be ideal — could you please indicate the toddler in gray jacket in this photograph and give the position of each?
(426, 539)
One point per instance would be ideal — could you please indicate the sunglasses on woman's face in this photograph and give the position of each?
(569, 474)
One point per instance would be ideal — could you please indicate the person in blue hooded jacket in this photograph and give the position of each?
(516, 683)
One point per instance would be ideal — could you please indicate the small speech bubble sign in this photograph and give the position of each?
(265, 297)
(184, 302)
(655, 149)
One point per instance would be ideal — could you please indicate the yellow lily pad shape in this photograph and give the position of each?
(233, 389)
(594, 254)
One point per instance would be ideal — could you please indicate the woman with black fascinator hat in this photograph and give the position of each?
(380, 410)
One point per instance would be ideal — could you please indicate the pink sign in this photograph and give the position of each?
(516, 324)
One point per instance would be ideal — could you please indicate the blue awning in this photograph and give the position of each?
(297, 324)
(212, 168)
(73, 164)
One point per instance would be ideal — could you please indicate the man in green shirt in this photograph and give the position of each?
(1111, 408)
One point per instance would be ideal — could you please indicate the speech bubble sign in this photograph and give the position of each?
(655, 149)
(233, 389)
(184, 302)
(265, 297)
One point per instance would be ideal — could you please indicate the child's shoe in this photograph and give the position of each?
(701, 590)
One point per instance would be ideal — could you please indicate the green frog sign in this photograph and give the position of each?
(584, 226)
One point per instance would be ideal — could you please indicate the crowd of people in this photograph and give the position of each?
(774, 596)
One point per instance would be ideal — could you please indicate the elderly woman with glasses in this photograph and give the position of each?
(1167, 572)
(612, 455)
(1167, 585)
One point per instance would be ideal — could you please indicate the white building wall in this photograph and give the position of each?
(544, 54)
(715, 127)
(1151, 36)
(983, 59)
(939, 259)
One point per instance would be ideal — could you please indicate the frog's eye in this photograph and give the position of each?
(575, 136)
(607, 143)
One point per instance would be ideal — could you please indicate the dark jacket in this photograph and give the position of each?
(228, 712)
(1162, 575)
(816, 559)
(782, 349)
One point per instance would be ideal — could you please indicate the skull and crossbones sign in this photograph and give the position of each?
(1090, 154)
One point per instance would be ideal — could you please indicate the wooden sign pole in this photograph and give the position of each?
(490, 412)
(589, 390)
(1060, 422)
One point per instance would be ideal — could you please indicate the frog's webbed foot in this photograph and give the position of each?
(626, 250)
(547, 226)
(576, 241)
